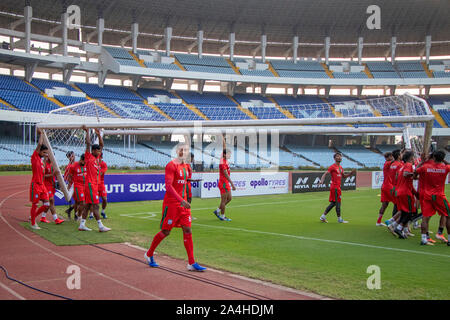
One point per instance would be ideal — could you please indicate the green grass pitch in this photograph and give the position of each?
(279, 238)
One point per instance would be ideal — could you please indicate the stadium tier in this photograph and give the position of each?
(162, 105)
(363, 155)
(321, 155)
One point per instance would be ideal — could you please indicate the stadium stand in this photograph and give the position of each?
(321, 155)
(363, 155)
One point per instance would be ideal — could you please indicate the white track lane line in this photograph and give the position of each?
(70, 260)
(15, 294)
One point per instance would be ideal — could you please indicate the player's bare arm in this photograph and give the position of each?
(322, 179)
(40, 141)
(348, 174)
(100, 139)
(88, 139)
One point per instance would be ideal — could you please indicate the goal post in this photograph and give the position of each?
(383, 115)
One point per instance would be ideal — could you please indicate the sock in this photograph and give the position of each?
(55, 216)
(103, 211)
(156, 241)
(217, 210)
(394, 224)
(189, 245)
(424, 237)
(82, 222)
(323, 216)
(91, 214)
(400, 227)
(100, 224)
(379, 218)
(44, 214)
(42, 209)
(440, 230)
(33, 214)
(222, 216)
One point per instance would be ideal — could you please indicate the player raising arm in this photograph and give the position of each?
(38, 192)
(385, 188)
(49, 182)
(337, 173)
(92, 163)
(225, 184)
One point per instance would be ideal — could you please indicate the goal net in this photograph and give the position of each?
(405, 115)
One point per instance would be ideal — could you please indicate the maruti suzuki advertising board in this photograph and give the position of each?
(129, 187)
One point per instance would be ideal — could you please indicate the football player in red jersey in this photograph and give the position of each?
(38, 192)
(49, 182)
(77, 177)
(225, 183)
(71, 157)
(91, 158)
(337, 173)
(385, 188)
(101, 186)
(433, 175)
(405, 194)
(175, 210)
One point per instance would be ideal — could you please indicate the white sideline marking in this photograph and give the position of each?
(318, 239)
(18, 296)
(152, 214)
(323, 240)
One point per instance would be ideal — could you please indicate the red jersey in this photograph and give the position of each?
(393, 170)
(336, 173)
(223, 166)
(67, 170)
(387, 181)
(421, 186)
(404, 184)
(37, 166)
(176, 175)
(78, 173)
(103, 169)
(48, 169)
(432, 177)
(92, 165)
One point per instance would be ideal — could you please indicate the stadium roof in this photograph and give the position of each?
(343, 20)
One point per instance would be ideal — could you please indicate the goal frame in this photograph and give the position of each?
(287, 126)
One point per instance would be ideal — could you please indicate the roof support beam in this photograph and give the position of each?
(64, 37)
(200, 43)
(200, 86)
(231, 44)
(360, 47)
(263, 47)
(295, 49)
(28, 15)
(392, 49)
(427, 48)
(29, 71)
(327, 49)
(134, 36)
(168, 38)
(67, 73)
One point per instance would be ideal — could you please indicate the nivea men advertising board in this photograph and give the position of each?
(310, 182)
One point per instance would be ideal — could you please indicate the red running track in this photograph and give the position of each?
(110, 271)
